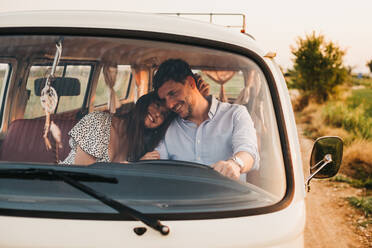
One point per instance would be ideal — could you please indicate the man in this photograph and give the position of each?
(206, 131)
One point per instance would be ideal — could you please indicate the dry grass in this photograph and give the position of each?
(314, 126)
(342, 92)
(311, 114)
(334, 131)
(357, 159)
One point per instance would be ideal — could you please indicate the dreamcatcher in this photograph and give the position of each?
(49, 101)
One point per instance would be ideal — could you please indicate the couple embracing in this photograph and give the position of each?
(176, 121)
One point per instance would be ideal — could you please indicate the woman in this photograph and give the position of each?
(101, 137)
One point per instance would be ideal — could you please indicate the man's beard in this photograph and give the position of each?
(189, 108)
(189, 112)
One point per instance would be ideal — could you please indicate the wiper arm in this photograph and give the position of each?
(72, 178)
(121, 208)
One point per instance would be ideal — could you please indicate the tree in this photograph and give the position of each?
(318, 67)
(369, 64)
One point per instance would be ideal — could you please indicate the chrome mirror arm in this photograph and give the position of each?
(326, 160)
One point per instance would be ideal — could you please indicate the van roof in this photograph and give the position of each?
(127, 21)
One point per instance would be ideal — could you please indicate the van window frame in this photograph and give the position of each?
(5, 87)
(184, 40)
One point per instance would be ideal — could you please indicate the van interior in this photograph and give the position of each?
(92, 70)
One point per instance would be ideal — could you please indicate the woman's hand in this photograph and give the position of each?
(151, 155)
(202, 86)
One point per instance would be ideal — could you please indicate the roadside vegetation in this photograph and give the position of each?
(329, 100)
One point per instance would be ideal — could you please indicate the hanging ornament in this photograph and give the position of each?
(48, 98)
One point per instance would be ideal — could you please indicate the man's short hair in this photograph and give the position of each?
(172, 69)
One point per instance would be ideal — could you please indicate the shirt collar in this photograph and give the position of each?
(213, 106)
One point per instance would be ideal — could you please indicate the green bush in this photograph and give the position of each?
(318, 67)
(369, 64)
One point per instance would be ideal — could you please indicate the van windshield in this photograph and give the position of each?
(103, 105)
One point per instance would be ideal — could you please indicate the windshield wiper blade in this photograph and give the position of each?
(50, 174)
(73, 178)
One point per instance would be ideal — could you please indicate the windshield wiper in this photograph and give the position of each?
(73, 178)
(51, 175)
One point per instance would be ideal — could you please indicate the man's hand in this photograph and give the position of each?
(151, 155)
(228, 168)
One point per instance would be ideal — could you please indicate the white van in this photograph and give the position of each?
(155, 203)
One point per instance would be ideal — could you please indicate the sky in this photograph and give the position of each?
(276, 25)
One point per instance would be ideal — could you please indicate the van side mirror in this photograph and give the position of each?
(325, 159)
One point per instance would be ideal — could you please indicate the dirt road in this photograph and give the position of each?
(331, 221)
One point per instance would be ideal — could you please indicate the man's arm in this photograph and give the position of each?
(244, 142)
(244, 138)
(232, 168)
(247, 160)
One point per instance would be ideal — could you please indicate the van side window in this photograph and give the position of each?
(5, 70)
(121, 85)
(66, 103)
(232, 87)
(81, 72)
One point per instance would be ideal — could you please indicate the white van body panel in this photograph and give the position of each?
(129, 21)
(285, 230)
(291, 130)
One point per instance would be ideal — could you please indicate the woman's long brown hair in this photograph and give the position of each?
(141, 139)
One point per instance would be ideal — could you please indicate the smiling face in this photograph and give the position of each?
(156, 114)
(178, 97)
